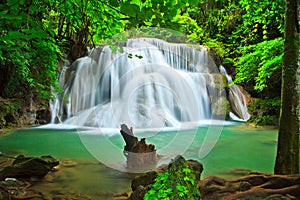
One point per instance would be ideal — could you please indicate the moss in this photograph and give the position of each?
(220, 107)
(177, 182)
(220, 81)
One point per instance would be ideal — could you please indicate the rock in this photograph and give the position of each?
(77, 51)
(220, 108)
(254, 186)
(121, 195)
(237, 92)
(139, 193)
(26, 167)
(276, 197)
(143, 180)
(139, 154)
(196, 167)
(43, 116)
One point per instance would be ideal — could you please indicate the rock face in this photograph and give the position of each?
(252, 187)
(77, 51)
(26, 167)
(138, 153)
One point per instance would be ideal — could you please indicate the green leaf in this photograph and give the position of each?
(193, 2)
(130, 9)
(14, 34)
(114, 3)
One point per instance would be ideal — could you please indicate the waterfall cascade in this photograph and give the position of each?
(237, 99)
(151, 84)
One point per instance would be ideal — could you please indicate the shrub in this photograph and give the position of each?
(176, 183)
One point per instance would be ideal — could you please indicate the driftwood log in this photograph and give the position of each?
(139, 154)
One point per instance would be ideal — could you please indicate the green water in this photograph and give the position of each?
(238, 149)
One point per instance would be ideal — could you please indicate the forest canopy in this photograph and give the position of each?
(36, 36)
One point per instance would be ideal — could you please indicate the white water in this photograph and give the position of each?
(170, 85)
(238, 103)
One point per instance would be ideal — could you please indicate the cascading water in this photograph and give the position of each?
(151, 84)
(237, 99)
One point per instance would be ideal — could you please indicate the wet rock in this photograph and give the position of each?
(26, 167)
(121, 195)
(143, 180)
(196, 167)
(77, 51)
(139, 193)
(43, 116)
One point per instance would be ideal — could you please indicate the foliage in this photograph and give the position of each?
(35, 34)
(265, 111)
(154, 13)
(260, 63)
(8, 112)
(262, 19)
(178, 182)
(27, 54)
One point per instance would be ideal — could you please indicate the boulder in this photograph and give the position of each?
(139, 193)
(143, 180)
(27, 167)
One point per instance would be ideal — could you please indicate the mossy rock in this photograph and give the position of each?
(220, 81)
(27, 167)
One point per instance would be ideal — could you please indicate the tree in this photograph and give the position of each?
(36, 34)
(287, 160)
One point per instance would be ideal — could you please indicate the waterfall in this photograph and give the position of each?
(150, 83)
(237, 99)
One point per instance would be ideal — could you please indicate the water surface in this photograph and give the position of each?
(238, 149)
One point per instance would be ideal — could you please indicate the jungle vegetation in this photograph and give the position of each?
(248, 35)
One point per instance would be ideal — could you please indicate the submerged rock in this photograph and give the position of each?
(27, 167)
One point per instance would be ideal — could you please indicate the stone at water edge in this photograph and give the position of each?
(27, 167)
(253, 186)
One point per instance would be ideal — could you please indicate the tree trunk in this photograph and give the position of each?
(287, 160)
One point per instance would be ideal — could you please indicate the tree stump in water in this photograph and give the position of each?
(139, 154)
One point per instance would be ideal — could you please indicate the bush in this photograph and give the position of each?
(176, 183)
(260, 63)
(265, 111)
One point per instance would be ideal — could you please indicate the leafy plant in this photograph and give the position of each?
(265, 111)
(178, 182)
(260, 63)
